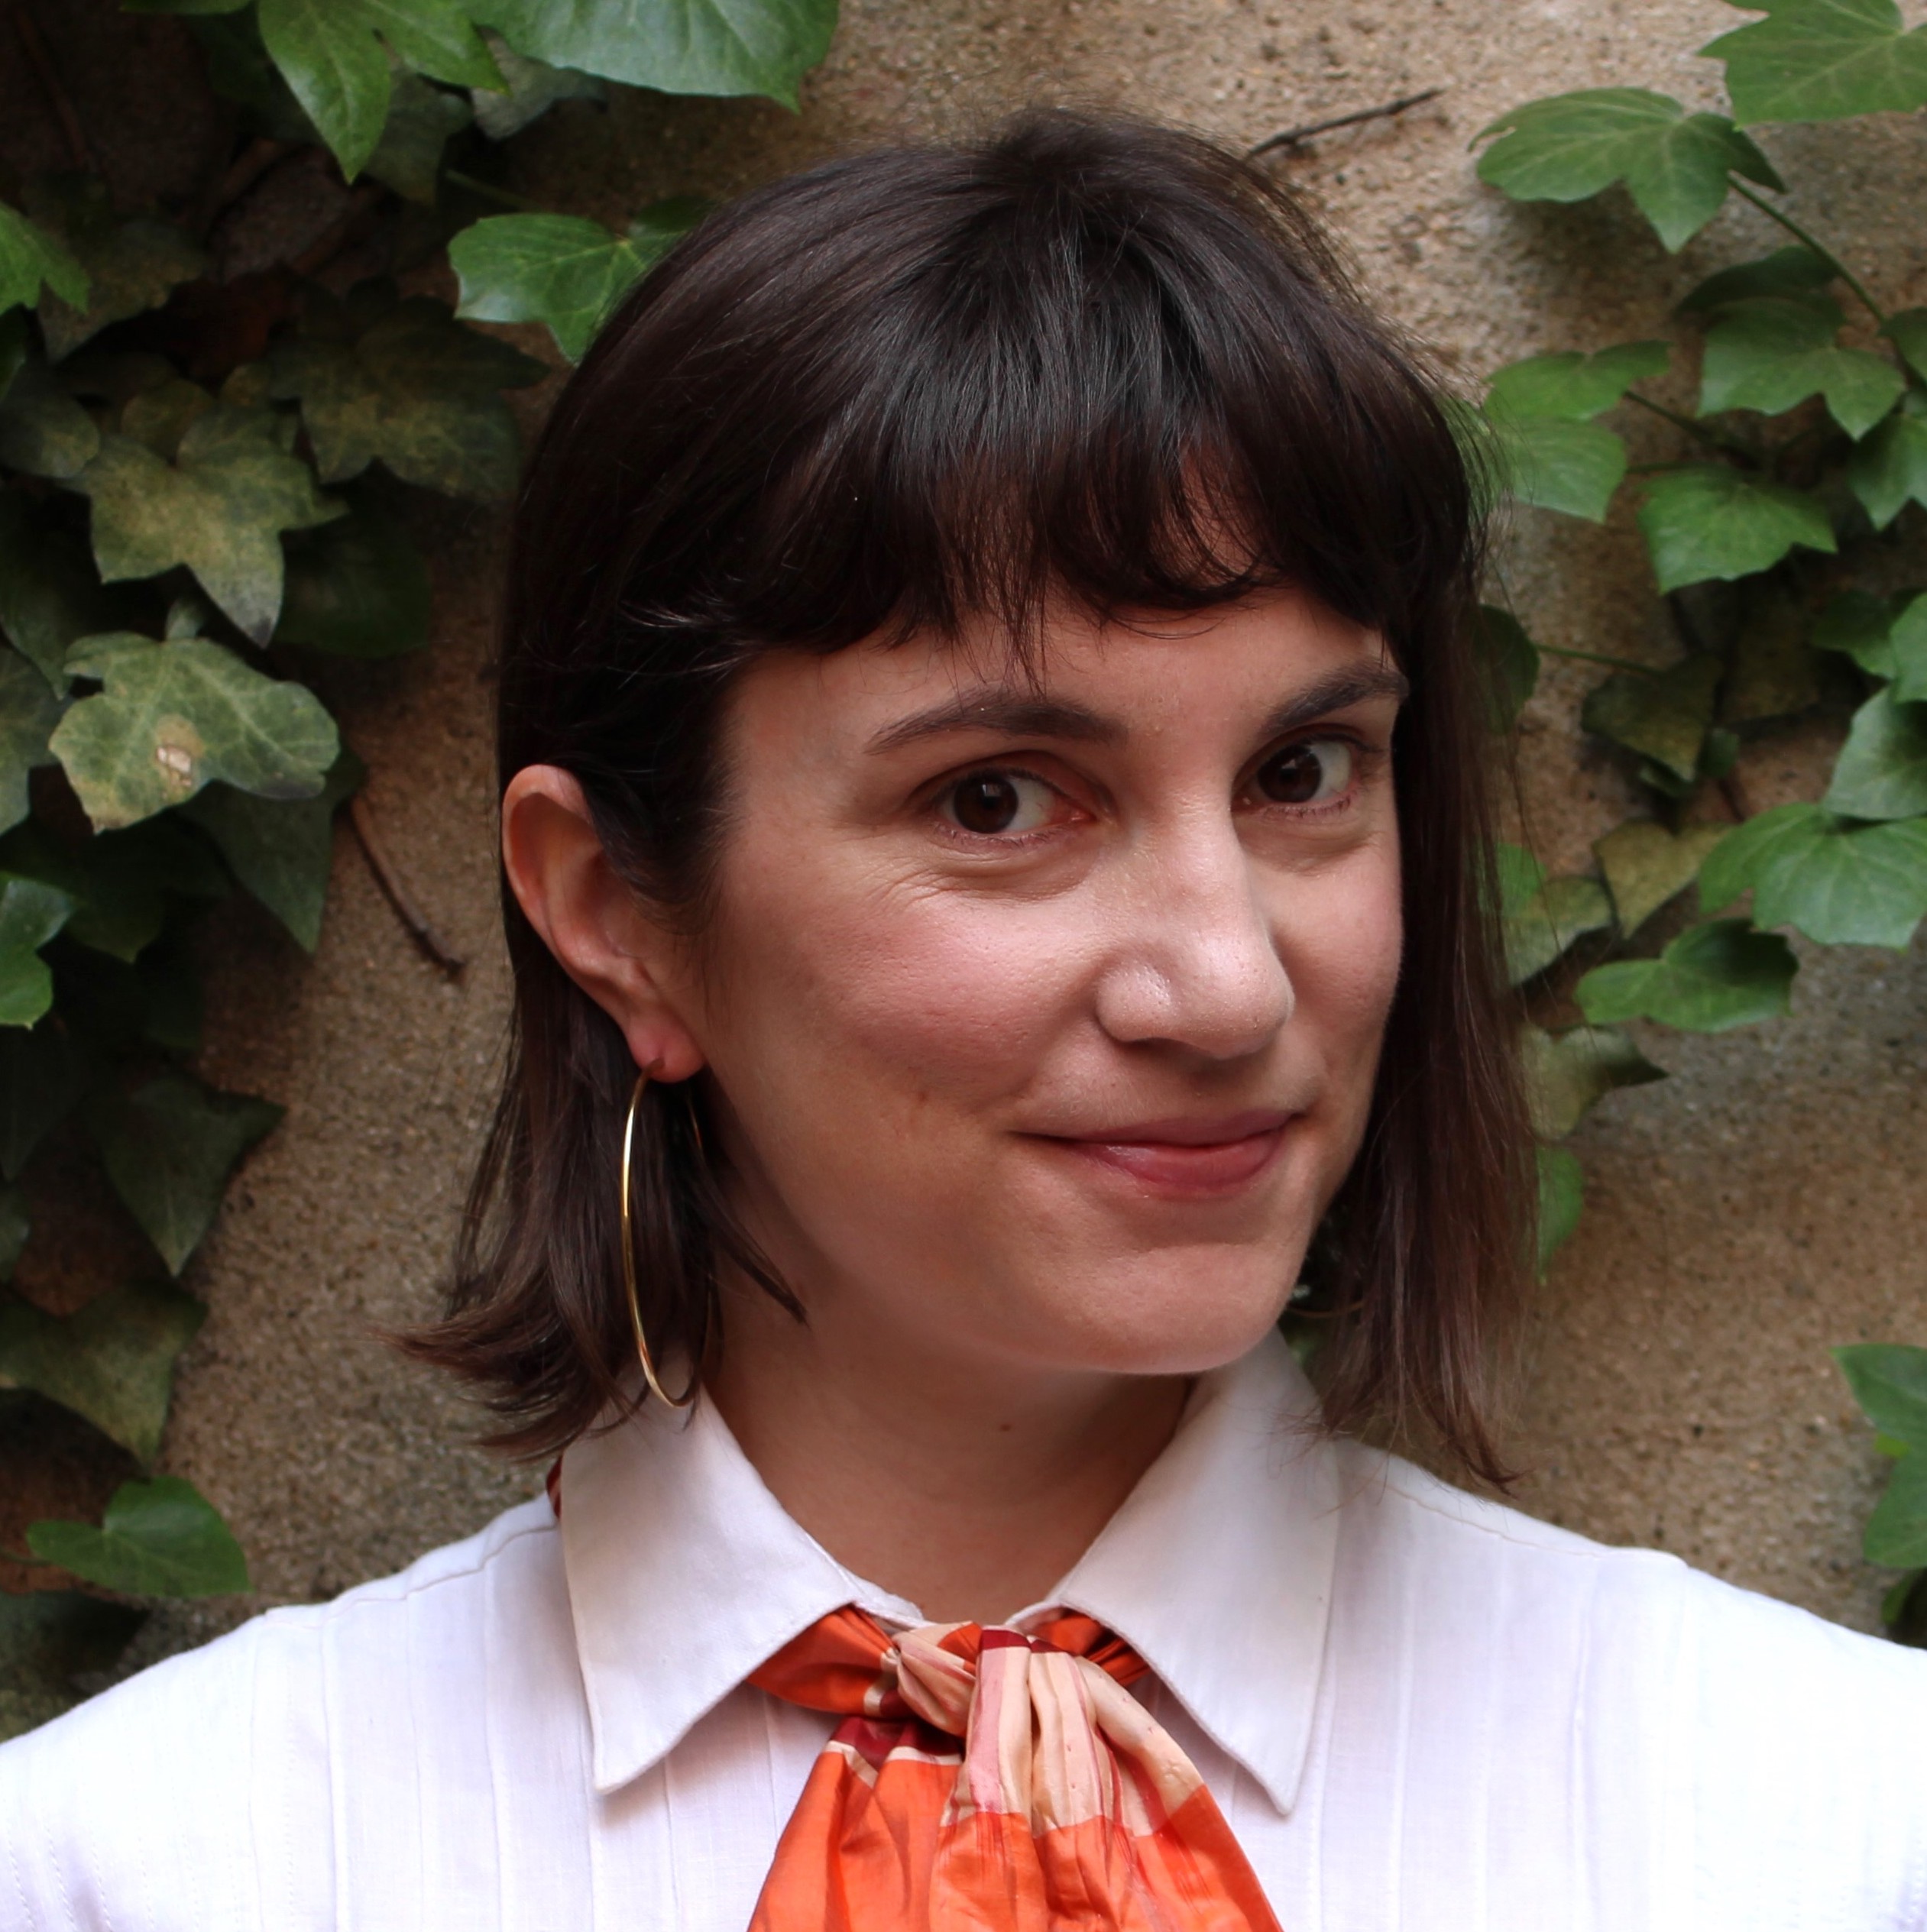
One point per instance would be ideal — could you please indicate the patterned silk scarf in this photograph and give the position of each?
(984, 1781)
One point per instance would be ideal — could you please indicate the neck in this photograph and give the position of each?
(967, 1487)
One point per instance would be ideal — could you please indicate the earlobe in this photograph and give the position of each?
(594, 922)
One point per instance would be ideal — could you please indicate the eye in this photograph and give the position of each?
(1309, 773)
(990, 802)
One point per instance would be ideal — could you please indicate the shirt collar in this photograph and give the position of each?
(684, 1572)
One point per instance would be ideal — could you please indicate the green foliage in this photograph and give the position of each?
(1823, 60)
(401, 381)
(174, 714)
(215, 499)
(676, 46)
(1711, 978)
(1707, 520)
(112, 1363)
(204, 491)
(169, 1148)
(48, 1639)
(560, 269)
(30, 259)
(160, 1538)
(1889, 1382)
(1674, 165)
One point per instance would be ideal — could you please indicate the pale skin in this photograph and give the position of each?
(1041, 1019)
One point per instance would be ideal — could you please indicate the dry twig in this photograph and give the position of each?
(410, 914)
(79, 147)
(1293, 136)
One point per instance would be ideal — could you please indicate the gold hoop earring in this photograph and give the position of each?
(629, 1266)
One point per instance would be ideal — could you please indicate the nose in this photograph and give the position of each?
(1195, 962)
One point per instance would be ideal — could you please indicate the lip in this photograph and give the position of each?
(1185, 1156)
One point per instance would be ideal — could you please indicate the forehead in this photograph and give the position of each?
(1087, 678)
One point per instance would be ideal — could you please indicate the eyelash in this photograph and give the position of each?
(1366, 757)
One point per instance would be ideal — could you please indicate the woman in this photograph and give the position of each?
(994, 819)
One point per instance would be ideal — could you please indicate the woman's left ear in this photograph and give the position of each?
(598, 929)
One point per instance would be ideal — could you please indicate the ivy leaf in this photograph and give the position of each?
(28, 713)
(43, 1074)
(532, 87)
(414, 389)
(1511, 662)
(120, 881)
(220, 508)
(1896, 1534)
(169, 1148)
(1889, 1382)
(48, 594)
(1561, 1194)
(1790, 271)
(30, 256)
(1907, 330)
(14, 1227)
(1662, 715)
(675, 47)
(356, 587)
(31, 914)
(1707, 520)
(174, 715)
(1907, 641)
(43, 432)
(281, 852)
(1541, 918)
(1822, 60)
(1572, 146)
(48, 1638)
(158, 1539)
(1770, 353)
(1713, 978)
(560, 269)
(1861, 626)
(1567, 1074)
(132, 266)
(421, 120)
(1774, 672)
(1571, 387)
(328, 53)
(112, 1364)
(1888, 470)
(1881, 772)
(1573, 467)
(1646, 866)
(1841, 883)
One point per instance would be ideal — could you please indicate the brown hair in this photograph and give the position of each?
(913, 386)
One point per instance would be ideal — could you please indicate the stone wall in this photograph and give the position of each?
(1742, 1216)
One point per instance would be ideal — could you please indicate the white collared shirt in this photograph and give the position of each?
(1416, 1710)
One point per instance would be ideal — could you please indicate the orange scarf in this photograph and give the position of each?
(983, 1781)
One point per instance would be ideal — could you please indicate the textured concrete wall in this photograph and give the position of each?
(1761, 1206)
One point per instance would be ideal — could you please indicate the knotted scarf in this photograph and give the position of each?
(985, 1781)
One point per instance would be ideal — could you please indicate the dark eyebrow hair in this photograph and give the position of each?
(1337, 691)
(1018, 714)
(990, 708)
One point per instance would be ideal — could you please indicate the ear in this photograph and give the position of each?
(600, 931)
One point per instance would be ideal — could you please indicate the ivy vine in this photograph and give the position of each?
(1776, 530)
(198, 485)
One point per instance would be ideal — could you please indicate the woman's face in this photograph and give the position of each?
(1043, 1013)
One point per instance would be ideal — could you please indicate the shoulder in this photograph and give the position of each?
(1750, 1744)
(207, 1792)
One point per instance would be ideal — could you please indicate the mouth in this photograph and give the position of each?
(1185, 1157)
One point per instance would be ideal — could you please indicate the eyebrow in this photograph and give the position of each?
(1020, 714)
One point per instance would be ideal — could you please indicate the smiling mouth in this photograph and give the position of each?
(1194, 1158)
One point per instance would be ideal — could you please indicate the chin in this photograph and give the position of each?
(1180, 1312)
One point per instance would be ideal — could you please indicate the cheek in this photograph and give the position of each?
(1342, 946)
(897, 996)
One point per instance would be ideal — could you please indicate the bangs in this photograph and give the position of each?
(979, 389)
